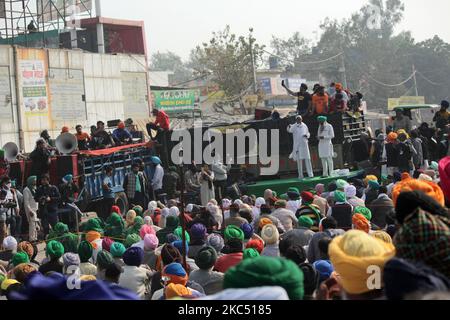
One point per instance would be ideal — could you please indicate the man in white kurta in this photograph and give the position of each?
(326, 151)
(300, 151)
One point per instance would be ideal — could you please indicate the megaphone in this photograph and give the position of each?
(66, 143)
(11, 151)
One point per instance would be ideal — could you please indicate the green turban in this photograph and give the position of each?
(172, 222)
(266, 271)
(30, 182)
(70, 243)
(104, 259)
(19, 258)
(341, 184)
(322, 119)
(136, 227)
(179, 233)
(94, 224)
(305, 222)
(364, 211)
(115, 226)
(250, 253)
(284, 197)
(117, 250)
(206, 258)
(274, 194)
(132, 239)
(54, 250)
(139, 210)
(233, 232)
(374, 185)
(340, 196)
(85, 251)
(293, 189)
(58, 230)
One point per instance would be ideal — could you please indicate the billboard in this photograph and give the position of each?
(32, 74)
(51, 10)
(173, 101)
(405, 101)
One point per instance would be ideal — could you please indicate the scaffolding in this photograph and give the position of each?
(37, 23)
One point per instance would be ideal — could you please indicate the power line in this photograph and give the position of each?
(380, 82)
(428, 80)
(304, 62)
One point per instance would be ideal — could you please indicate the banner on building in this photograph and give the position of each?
(173, 101)
(405, 101)
(67, 95)
(34, 87)
(51, 10)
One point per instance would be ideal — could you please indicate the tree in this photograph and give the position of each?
(228, 59)
(169, 61)
(292, 49)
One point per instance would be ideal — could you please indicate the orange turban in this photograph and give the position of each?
(121, 125)
(91, 236)
(392, 137)
(176, 290)
(361, 223)
(264, 221)
(406, 176)
(431, 189)
(26, 247)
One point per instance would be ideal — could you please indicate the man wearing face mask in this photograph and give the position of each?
(13, 218)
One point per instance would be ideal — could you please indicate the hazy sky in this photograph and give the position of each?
(179, 25)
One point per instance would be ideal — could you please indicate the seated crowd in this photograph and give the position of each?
(323, 244)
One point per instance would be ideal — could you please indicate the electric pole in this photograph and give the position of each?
(255, 81)
(100, 31)
(415, 80)
(343, 69)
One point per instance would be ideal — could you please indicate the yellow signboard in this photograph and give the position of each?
(405, 101)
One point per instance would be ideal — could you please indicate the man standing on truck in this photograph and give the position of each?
(161, 124)
(301, 152)
(320, 101)
(304, 102)
(326, 151)
(134, 187)
(40, 159)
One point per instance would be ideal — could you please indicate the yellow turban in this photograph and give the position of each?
(264, 221)
(382, 235)
(86, 278)
(431, 189)
(131, 215)
(403, 131)
(353, 253)
(176, 290)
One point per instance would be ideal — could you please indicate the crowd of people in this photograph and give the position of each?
(374, 237)
(317, 244)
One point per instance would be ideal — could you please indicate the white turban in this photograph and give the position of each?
(174, 212)
(226, 203)
(259, 202)
(425, 177)
(152, 205)
(350, 191)
(189, 208)
(238, 202)
(148, 221)
(165, 212)
(10, 243)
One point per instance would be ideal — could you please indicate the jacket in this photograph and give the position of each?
(129, 184)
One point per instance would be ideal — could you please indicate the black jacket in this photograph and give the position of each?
(50, 191)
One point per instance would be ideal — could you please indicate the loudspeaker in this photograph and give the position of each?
(113, 123)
